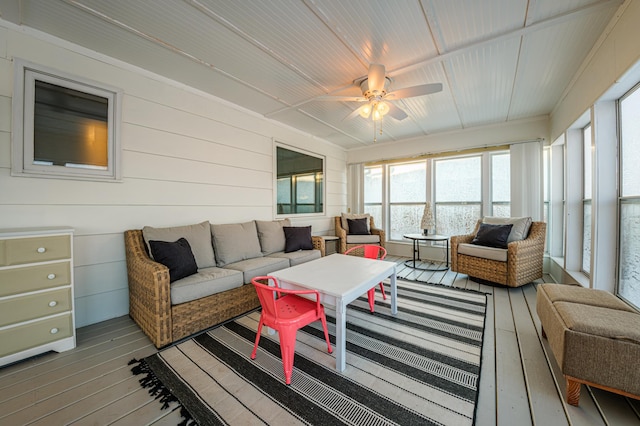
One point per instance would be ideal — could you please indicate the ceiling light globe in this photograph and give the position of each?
(365, 111)
(382, 108)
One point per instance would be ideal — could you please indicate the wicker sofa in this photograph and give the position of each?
(220, 290)
(518, 264)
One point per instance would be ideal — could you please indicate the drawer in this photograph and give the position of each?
(36, 249)
(38, 333)
(15, 310)
(38, 277)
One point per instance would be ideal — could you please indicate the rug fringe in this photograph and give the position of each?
(158, 390)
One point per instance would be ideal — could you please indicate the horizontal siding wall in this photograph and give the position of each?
(186, 158)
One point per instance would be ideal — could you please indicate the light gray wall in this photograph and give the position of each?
(187, 157)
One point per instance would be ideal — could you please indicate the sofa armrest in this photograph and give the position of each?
(341, 233)
(149, 290)
(318, 244)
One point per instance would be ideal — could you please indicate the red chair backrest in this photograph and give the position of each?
(266, 295)
(374, 252)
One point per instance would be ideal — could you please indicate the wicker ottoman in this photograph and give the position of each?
(594, 336)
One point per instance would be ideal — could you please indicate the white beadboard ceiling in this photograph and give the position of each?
(498, 60)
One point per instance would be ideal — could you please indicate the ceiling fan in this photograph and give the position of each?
(376, 94)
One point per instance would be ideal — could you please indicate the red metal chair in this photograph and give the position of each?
(371, 252)
(286, 313)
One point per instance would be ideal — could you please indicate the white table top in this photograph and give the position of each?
(336, 274)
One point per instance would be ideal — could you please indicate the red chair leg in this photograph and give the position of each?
(384, 295)
(371, 294)
(255, 346)
(287, 351)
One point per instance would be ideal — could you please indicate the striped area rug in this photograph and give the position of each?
(417, 368)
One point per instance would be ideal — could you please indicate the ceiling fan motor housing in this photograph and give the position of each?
(374, 95)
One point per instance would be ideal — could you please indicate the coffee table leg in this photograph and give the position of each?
(341, 337)
(394, 293)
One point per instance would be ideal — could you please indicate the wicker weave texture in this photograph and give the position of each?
(342, 234)
(523, 265)
(150, 299)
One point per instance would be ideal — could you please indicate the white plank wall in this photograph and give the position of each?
(187, 157)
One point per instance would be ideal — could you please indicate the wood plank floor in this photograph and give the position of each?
(520, 383)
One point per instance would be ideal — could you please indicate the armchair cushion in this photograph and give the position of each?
(484, 252)
(492, 235)
(521, 226)
(297, 238)
(176, 256)
(358, 226)
(345, 223)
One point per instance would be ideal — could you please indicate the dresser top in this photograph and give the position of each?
(45, 230)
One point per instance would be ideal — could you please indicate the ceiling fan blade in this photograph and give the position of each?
(341, 98)
(409, 92)
(375, 79)
(396, 112)
(356, 112)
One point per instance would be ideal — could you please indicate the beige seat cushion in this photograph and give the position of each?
(484, 252)
(298, 257)
(257, 266)
(363, 239)
(585, 296)
(206, 282)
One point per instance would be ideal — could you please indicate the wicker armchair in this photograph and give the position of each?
(377, 236)
(523, 265)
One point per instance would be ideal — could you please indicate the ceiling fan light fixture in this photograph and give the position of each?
(365, 111)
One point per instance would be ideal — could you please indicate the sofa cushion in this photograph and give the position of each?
(484, 252)
(492, 235)
(234, 242)
(206, 282)
(198, 236)
(258, 266)
(271, 235)
(358, 226)
(345, 216)
(176, 256)
(297, 238)
(298, 257)
(521, 226)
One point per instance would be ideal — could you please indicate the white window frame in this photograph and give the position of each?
(23, 105)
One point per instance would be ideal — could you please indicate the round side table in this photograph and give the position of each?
(416, 238)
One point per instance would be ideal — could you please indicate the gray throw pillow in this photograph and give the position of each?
(234, 242)
(271, 235)
(198, 236)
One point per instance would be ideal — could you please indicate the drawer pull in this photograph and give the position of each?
(41, 249)
(54, 330)
(51, 276)
(53, 303)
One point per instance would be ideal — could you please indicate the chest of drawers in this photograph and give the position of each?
(36, 292)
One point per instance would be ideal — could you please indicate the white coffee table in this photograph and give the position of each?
(340, 279)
